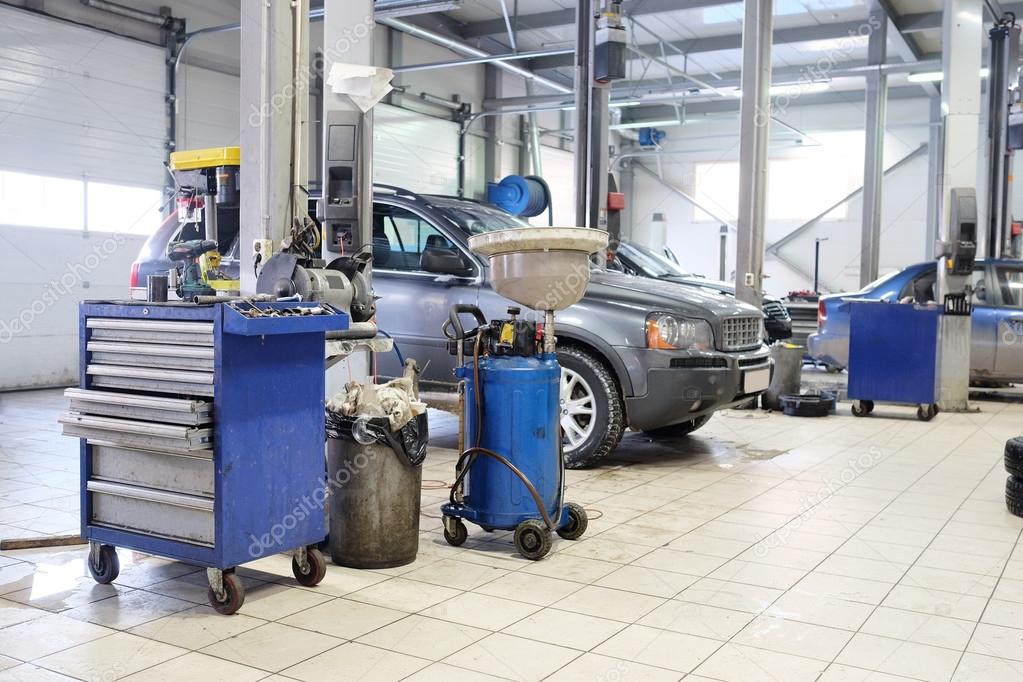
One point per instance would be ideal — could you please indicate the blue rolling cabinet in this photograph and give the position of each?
(893, 356)
(202, 435)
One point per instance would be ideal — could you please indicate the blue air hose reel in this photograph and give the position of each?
(522, 196)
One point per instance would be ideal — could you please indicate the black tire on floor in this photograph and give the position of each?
(608, 416)
(679, 430)
(1014, 495)
(1014, 456)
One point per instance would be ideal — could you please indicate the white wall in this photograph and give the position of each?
(839, 130)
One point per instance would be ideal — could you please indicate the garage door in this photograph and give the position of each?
(416, 152)
(76, 102)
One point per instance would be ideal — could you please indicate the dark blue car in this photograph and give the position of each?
(997, 332)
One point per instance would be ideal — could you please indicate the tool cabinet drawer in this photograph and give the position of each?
(140, 407)
(128, 433)
(167, 332)
(151, 379)
(152, 512)
(192, 475)
(150, 355)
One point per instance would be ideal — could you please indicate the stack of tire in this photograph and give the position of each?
(1014, 484)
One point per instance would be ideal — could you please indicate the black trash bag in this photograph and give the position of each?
(409, 442)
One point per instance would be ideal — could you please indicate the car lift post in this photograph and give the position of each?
(960, 94)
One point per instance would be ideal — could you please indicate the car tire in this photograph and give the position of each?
(679, 430)
(1014, 495)
(1014, 456)
(589, 384)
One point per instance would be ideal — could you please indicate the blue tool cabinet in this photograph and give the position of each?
(893, 356)
(202, 435)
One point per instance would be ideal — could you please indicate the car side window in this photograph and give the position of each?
(920, 289)
(982, 293)
(1010, 284)
(400, 237)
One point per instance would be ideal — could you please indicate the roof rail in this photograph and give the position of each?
(399, 191)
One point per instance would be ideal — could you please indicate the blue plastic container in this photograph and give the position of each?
(520, 422)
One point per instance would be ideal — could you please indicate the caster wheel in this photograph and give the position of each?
(460, 535)
(860, 409)
(106, 568)
(532, 539)
(925, 413)
(577, 522)
(234, 595)
(316, 569)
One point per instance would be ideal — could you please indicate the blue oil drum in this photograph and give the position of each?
(520, 422)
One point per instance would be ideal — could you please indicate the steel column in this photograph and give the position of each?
(755, 122)
(960, 102)
(266, 128)
(491, 126)
(935, 158)
(1003, 75)
(591, 125)
(873, 158)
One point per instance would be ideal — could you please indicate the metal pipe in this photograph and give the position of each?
(465, 48)
(356, 330)
(534, 137)
(482, 60)
(166, 22)
(209, 214)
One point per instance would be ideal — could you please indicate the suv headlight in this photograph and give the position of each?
(668, 332)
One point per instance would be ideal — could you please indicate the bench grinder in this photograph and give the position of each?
(512, 474)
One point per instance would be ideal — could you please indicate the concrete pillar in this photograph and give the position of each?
(267, 118)
(755, 122)
(960, 102)
(873, 159)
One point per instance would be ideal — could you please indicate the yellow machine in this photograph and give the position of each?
(207, 209)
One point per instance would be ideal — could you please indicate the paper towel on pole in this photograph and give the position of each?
(364, 85)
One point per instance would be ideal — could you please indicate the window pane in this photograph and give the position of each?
(1010, 280)
(128, 210)
(40, 201)
(400, 237)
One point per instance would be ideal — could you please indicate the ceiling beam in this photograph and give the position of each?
(726, 105)
(566, 17)
(905, 46)
(731, 41)
(928, 21)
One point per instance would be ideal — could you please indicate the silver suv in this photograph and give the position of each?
(636, 353)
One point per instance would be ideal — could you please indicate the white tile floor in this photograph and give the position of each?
(764, 548)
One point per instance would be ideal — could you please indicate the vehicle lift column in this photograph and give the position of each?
(345, 209)
(960, 99)
(1005, 114)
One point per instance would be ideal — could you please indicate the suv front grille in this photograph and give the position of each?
(740, 333)
(775, 310)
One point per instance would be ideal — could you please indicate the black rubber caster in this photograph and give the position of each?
(106, 568)
(925, 413)
(234, 595)
(460, 535)
(861, 408)
(577, 522)
(316, 568)
(532, 539)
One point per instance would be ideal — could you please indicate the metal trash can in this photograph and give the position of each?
(374, 478)
(786, 379)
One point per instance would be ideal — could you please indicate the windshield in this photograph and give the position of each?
(472, 218)
(649, 262)
(877, 282)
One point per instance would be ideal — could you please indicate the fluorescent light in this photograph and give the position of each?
(626, 103)
(792, 89)
(797, 89)
(935, 76)
(631, 125)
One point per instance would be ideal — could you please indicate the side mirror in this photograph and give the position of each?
(980, 291)
(443, 261)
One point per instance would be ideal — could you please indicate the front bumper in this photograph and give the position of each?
(671, 387)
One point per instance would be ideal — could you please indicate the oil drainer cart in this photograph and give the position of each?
(202, 435)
